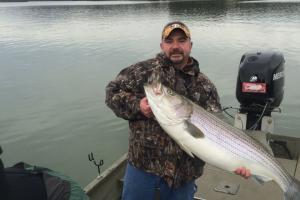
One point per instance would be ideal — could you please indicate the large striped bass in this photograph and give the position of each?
(200, 133)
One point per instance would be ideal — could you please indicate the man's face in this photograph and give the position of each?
(177, 47)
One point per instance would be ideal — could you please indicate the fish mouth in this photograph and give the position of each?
(154, 88)
(157, 89)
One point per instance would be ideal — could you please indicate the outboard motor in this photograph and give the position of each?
(259, 89)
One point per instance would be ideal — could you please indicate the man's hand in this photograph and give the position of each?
(243, 171)
(145, 107)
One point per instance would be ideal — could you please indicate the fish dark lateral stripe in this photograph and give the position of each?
(215, 129)
(222, 145)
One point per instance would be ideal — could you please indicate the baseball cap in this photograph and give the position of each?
(175, 25)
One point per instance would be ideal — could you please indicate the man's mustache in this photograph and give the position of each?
(176, 52)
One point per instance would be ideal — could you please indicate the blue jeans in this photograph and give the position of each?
(139, 184)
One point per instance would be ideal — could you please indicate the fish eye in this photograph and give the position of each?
(170, 92)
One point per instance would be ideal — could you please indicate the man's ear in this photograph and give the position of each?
(160, 46)
(191, 44)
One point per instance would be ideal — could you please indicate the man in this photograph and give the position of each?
(155, 161)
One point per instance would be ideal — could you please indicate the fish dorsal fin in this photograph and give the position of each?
(193, 130)
(260, 179)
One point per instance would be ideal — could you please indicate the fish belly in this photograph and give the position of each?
(212, 153)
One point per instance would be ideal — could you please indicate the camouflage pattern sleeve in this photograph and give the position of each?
(211, 102)
(123, 95)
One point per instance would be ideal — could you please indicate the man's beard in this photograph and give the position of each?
(177, 57)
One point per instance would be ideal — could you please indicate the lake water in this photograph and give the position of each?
(57, 57)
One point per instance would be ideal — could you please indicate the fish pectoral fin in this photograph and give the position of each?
(193, 130)
(260, 179)
(186, 149)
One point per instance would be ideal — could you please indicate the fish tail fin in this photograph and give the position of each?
(293, 192)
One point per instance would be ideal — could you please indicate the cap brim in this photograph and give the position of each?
(169, 31)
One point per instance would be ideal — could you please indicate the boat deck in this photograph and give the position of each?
(219, 184)
(214, 184)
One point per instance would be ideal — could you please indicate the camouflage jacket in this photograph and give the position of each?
(150, 148)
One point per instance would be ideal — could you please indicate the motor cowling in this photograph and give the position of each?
(260, 81)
